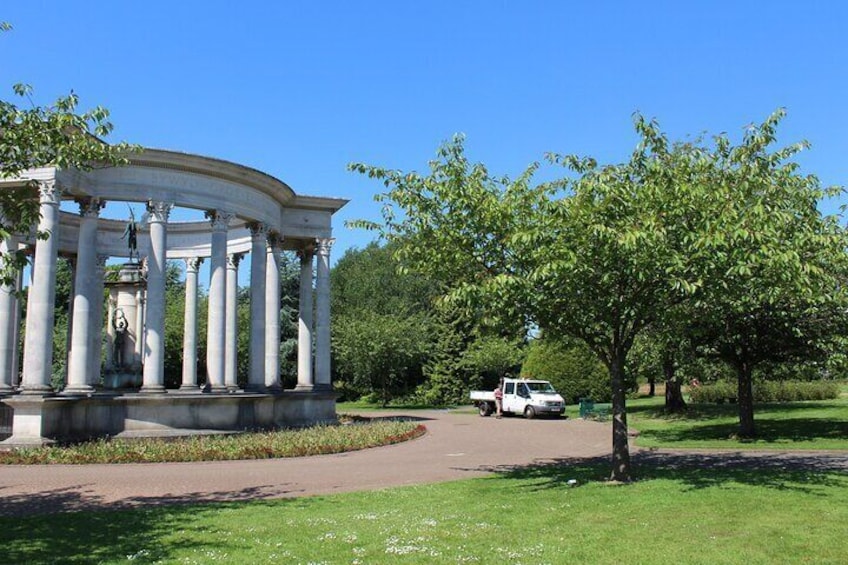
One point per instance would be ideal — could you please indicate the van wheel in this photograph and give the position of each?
(485, 409)
(529, 412)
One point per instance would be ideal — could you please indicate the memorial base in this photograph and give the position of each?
(44, 420)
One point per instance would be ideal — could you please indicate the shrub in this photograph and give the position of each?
(716, 393)
(767, 391)
(571, 367)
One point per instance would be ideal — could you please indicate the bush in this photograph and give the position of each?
(716, 393)
(767, 391)
(571, 367)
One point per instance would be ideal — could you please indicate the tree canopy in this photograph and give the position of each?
(606, 251)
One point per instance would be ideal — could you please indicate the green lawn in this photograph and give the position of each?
(818, 425)
(679, 510)
(695, 515)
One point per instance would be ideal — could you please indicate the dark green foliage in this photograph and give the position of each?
(447, 382)
(571, 367)
(382, 353)
(289, 305)
(766, 391)
(383, 328)
(175, 325)
(61, 322)
(368, 279)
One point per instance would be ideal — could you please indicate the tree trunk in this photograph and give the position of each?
(745, 398)
(652, 386)
(620, 447)
(673, 396)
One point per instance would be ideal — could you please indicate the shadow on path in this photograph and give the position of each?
(82, 498)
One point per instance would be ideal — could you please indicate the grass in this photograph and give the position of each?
(262, 445)
(682, 509)
(680, 514)
(816, 425)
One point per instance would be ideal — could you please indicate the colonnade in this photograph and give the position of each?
(87, 313)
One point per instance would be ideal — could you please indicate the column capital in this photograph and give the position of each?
(233, 260)
(90, 207)
(305, 255)
(193, 264)
(323, 246)
(49, 192)
(159, 211)
(257, 230)
(219, 219)
(275, 241)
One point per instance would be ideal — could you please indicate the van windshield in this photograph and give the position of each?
(541, 387)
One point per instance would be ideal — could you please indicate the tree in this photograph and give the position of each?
(570, 366)
(41, 136)
(594, 257)
(383, 353)
(773, 266)
(383, 323)
(492, 357)
(175, 300)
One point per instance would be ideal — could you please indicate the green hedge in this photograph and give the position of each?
(572, 368)
(767, 391)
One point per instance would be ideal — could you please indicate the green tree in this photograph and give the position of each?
(594, 257)
(175, 325)
(570, 366)
(490, 358)
(391, 312)
(773, 266)
(383, 353)
(39, 136)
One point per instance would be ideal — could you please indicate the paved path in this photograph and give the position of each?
(457, 446)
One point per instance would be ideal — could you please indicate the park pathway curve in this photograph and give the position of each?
(458, 445)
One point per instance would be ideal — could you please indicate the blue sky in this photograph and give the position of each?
(299, 89)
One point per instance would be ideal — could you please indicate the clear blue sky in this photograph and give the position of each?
(299, 89)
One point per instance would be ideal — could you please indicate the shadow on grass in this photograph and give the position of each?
(768, 431)
(696, 412)
(98, 537)
(783, 471)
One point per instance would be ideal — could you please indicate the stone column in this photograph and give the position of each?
(96, 335)
(138, 352)
(8, 306)
(16, 333)
(322, 314)
(189, 383)
(272, 314)
(305, 378)
(258, 262)
(38, 350)
(153, 377)
(216, 327)
(110, 333)
(85, 289)
(231, 357)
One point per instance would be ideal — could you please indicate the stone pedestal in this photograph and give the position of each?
(126, 315)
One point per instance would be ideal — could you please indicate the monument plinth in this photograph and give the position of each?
(124, 332)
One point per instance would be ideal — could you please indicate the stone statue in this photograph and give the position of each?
(120, 324)
(131, 235)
